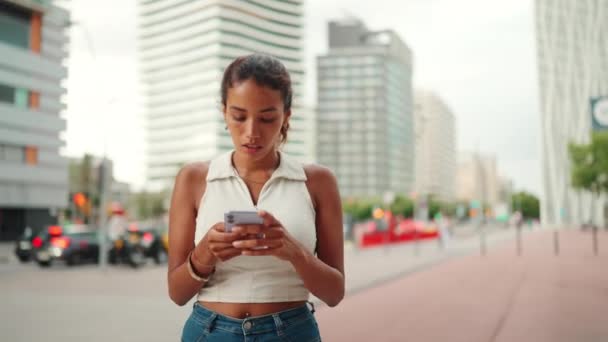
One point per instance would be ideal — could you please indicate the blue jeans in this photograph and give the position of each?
(294, 325)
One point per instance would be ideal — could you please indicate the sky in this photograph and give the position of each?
(477, 55)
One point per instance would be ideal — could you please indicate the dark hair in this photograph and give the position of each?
(266, 71)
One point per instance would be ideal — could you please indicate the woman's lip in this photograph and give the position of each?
(252, 150)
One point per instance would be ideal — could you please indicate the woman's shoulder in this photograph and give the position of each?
(192, 178)
(319, 175)
(190, 182)
(196, 171)
(321, 183)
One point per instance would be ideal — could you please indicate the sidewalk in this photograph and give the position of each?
(499, 297)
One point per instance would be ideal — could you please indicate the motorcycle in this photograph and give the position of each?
(128, 248)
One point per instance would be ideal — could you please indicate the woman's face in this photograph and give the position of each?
(254, 115)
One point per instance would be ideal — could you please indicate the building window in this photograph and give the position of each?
(15, 25)
(12, 153)
(7, 94)
(31, 155)
(21, 98)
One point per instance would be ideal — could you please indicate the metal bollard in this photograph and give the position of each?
(482, 240)
(518, 232)
(416, 243)
(595, 246)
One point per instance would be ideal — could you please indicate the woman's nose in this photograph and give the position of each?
(252, 129)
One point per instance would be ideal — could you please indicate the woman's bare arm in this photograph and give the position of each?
(323, 275)
(189, 187)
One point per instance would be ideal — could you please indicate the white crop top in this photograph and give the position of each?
(257, 279)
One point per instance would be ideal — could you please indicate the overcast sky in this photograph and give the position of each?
(478, 55)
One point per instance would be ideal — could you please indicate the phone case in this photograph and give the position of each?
(233, 218)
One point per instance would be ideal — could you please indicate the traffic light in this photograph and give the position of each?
(80, 200)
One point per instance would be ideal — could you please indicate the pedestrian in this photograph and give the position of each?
(253, 283)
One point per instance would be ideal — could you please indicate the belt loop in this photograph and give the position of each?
(278, 322)
(211, 323)
(312, 307)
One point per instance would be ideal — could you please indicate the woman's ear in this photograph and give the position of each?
(287, 117)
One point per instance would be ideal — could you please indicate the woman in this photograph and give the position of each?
(253, 282)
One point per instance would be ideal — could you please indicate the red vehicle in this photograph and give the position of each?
(390, 229)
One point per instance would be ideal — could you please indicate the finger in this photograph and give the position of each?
(246, 229)
(219, 227)
(272, 244)
(257, 243)
(246, 244)
(269, 219)
(273, 233)
(219, 246)
(266, 234)
(228, 254)
(215, 236)
(259, 252)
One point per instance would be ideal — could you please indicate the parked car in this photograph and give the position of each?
(70, 244)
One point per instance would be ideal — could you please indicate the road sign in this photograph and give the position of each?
(599, 113)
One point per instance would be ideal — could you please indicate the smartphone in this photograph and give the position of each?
(235, 218)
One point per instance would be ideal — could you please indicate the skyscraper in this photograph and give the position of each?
(477, 179)
(572, 51)
(33, 176)
(184, 49)
(435, 146)
(365, 124)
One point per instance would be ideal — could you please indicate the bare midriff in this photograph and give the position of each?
(244, 310)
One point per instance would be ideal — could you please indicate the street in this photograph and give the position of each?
(76, 303)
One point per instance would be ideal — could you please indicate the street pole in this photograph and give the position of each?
(483, 241)
(518, 230)
(482, 232)
(103, 224)
(555, 242)
(103, 172)
(595, 246)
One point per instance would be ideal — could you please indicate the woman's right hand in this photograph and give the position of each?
(217, 245)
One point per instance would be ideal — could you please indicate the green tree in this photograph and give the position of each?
(527, 203)
(149, 204)
(360, 208)
(402, 206)
(589, 164)
(435, 206)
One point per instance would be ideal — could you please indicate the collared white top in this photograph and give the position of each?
(257, 279)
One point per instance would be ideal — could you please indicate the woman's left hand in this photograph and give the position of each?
(270, 238)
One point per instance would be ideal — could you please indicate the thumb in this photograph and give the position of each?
(269, 220)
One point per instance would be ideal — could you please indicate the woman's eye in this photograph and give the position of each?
(239, 118)
(268, 120)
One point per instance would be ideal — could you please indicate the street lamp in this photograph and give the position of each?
(104, 171)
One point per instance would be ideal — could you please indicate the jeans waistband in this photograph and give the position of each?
(252, 325)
